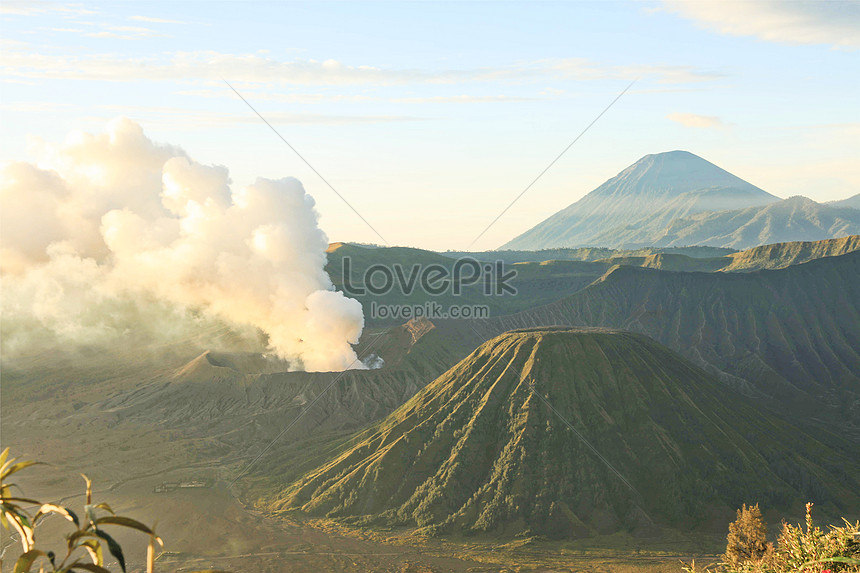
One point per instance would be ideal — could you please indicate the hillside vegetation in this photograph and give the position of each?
(544, 277)
(505, 442)
(789, 336)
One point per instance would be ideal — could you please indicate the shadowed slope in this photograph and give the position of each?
(790, 335)
(478, 450)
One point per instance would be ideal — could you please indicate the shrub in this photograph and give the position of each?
(797, 551)
(85, 544)
(747, 538)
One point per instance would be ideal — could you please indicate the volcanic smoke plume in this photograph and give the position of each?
(112, 238)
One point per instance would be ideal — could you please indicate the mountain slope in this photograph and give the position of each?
(503, 442)
(853, 202)
(790, 336)
(794, 219)
(655, 190)
(782, 255)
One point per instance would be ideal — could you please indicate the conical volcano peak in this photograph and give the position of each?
(556, 431)
(633, 208)
(672, 173)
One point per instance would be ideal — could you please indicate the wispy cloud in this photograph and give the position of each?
(65, 30)
(220, 91)
(260, 68)
(460, 99)
(192, 117)
(125, 33)
(832, 22)
(314, 98)
(155, 20)
(695, 120)
(582, 69)
(34, 106)
(31, 8)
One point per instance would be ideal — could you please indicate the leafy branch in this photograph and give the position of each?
(85, 545)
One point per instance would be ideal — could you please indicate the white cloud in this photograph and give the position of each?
(695, 120)
(832, 22)
(24, 61)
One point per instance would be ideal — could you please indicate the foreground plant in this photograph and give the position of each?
(85, 544)
(811, 551)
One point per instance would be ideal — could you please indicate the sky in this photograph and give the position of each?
(430, 118)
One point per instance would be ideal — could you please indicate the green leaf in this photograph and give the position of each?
(89, 489)
(51, 508)
(21, 500)
(17, 467)
(113, 547)
(5, 463)
(94, 548)
(22, 526)
(73, 538)
(23, 564)
(124, 522)
(89, 567)
(105, 507)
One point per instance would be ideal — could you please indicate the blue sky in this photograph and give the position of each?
(431, 117)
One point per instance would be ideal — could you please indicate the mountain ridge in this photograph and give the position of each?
(759, 331)
(666, 185)
(797, 218)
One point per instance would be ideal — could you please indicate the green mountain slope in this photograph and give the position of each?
(544, 277)
(505, 442)
(641, 201)
(790, 336)
(536, 283)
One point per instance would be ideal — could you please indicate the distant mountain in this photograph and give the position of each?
(641, 201)
(586, 254)
(569, 433)
(549, 275)
(782, 255)
(853, 202)
(794, 219)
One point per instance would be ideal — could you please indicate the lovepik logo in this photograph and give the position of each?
(434, 279)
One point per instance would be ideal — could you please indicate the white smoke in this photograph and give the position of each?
(113, 238)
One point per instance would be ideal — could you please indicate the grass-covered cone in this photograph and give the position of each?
(566, 433)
